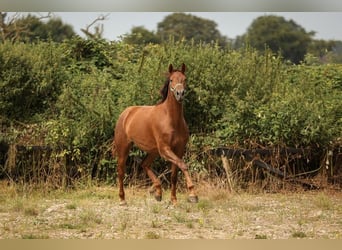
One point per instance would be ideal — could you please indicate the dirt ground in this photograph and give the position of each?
(94, 213)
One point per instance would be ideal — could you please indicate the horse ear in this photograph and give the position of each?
(183, 68)
(170, 68)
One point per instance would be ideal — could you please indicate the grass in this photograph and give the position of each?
(152, 235)
(323, 201)
(71, 206)
(31, 211)
(180, 217)
(204, 205)
(94, 213)
(34, 237)
(68, 226)
(299, 234)
(260, 237)
(90, 217)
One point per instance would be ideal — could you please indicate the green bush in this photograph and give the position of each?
(301, 108)
(31, 78)
(238, 97)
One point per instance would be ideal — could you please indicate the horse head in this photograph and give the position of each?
(177, 82)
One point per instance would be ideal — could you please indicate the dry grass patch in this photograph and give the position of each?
(94, 213)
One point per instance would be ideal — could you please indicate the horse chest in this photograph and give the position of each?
(178, 137)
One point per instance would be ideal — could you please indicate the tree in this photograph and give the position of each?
(324, 51)
(279, 35)
(97, 28)
(187, 26)
(31, 28)
(337, 52)
(140, 35)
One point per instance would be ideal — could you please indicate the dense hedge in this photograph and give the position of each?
(76, 90)
(31, 78)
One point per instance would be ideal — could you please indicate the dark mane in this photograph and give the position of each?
(164, 90)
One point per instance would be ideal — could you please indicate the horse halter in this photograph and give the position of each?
(178, 93)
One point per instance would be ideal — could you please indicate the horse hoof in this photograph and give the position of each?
(158, 197)
(193, 199)
(123, 203)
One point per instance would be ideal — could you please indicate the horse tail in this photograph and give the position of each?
(113, 149)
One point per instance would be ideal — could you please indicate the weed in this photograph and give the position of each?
(71, 206)
(240, 233)
(204, 205)
(190, 225)
(298, 234)
(260, 237)
(152, 235)
(251, 207)
(68, 226)
(18, 205)
(301, 222)
(156, 209)
(188, 208)
(220, 195)
(201, 222)
(123, 226)
(89, 217)
(32, 236)
(323, 202)
(154, 224)
(30, 211)
(180, 218)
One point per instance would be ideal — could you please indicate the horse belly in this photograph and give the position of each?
(139, 129)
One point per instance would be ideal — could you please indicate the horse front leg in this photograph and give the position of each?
(169, 155)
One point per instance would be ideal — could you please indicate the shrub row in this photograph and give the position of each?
(76, 90)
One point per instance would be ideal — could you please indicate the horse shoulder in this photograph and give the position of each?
(168, 134)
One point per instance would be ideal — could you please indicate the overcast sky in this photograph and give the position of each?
(327, 25)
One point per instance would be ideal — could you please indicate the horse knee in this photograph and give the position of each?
(183, 166)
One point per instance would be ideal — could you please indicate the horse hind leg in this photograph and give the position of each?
(156, 187)
(174, 176)
(121, 175)
(122, 153)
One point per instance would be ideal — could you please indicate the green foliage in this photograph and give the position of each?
(186, 26)
(306, 110)
(31, 78)
(280, 35)
(31, 28)
(291, 105)
(80, 87)
(142, 36)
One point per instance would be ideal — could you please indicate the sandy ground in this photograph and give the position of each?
(95, 213)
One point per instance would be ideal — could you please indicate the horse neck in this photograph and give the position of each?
(174, 108)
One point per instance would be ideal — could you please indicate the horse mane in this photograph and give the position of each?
(164, 90)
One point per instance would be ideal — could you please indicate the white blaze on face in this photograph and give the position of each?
(178, 91)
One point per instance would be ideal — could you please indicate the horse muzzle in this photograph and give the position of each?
(178, 92)
(179, 95)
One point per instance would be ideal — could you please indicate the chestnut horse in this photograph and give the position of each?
(157, 130)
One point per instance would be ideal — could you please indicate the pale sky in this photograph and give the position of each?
(327, 25)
